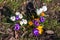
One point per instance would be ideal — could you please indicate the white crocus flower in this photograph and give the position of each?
(21, 22)
(20, 16)
(24, 21)
(17, 13)
(39, 11)
(44, 8)
(12, 18)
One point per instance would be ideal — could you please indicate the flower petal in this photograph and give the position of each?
(12, 18)
(17, 17)
(20, 16)
(24, 21)
(21, 22)
(39, 11)
(36, 23)
(44, 8)
(17, 13)
(35, 32)
(42, 19)
(16, 27)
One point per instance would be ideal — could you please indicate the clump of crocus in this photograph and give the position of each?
(36, 20)
(17, 17)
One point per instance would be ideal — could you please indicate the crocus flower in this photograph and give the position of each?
(40, 28)
(44, 8)
(24, 21)
(35, 32)
(42, 19)
(30, 23)
(36, 23)
(12, 18)
(39, 11)
(20, 16)
(16, 27)
(17, 17)
(21, 23)
(41, 31)
(17, 13)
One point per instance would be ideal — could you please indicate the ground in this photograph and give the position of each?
(52, 23)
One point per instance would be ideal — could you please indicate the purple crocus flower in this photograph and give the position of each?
(36, 23)
(35, 32)
(17, 17)
(16, 27)
(42, 19)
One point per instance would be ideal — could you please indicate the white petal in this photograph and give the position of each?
(21, 23)
(44, 8)
(17, 13)
(24, 21)
(39, 11)
(20, 16)
(13, 18)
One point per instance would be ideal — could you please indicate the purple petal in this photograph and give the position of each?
(35, 32)
(36, 23)
(17, 17)
(42, 19)
(16, 27)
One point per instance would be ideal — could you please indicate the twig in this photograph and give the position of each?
(24, 34)
(2, 32)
